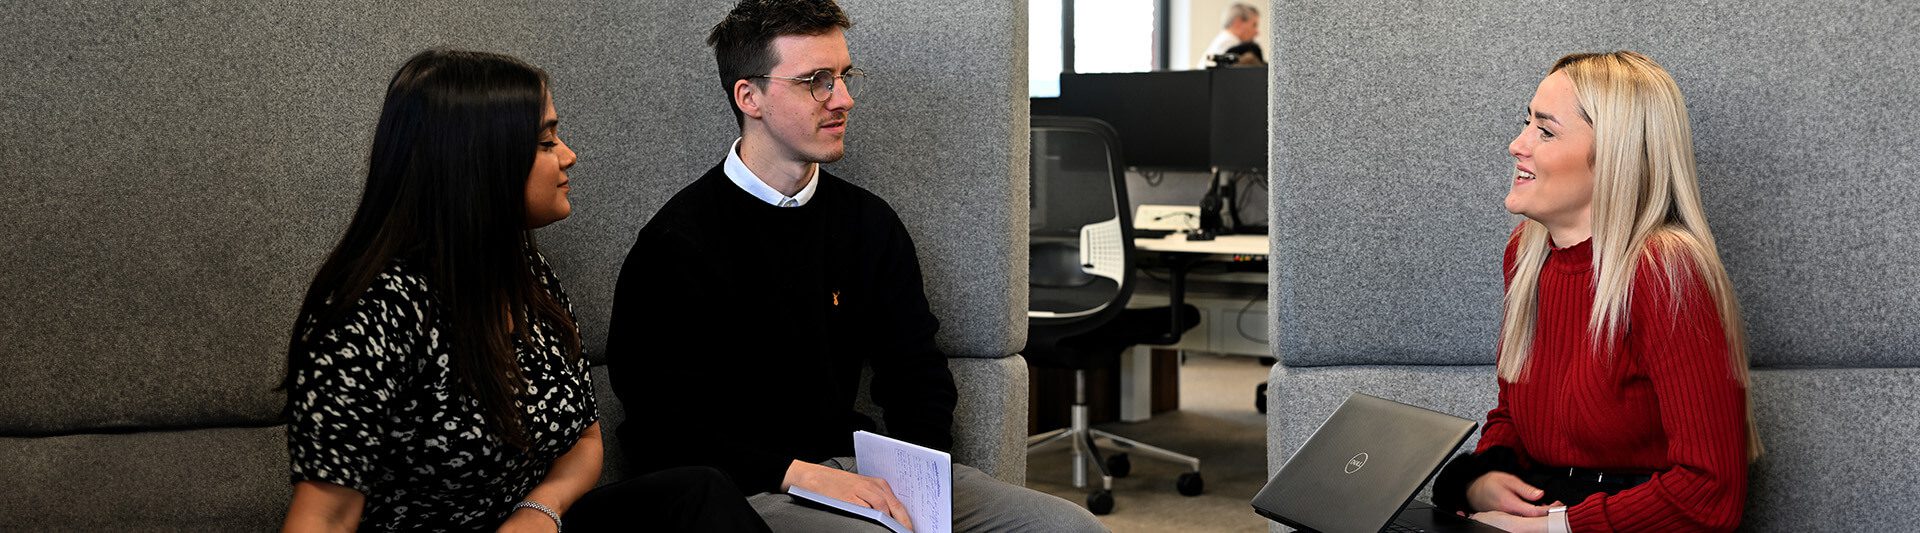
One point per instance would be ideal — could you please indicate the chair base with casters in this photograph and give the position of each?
(1079, 353)
(1083, 438)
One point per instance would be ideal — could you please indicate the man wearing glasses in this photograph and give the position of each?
(751, 301)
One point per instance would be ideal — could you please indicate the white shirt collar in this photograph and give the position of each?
(743, 177)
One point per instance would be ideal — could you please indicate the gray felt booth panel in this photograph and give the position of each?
(1389, 133)
(1390, 127)
(177, 170)
(230, 479)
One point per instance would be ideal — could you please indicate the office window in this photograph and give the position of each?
(1114, 36)
(1106, 36)
(1045, 49)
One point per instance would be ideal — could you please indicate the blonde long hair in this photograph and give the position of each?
(1646, 202)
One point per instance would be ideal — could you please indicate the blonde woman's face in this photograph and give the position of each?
(1553, 159)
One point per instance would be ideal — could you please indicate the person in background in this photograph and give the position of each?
(435, 378)
(753, 299)
(1623, 402)
(1240, 23)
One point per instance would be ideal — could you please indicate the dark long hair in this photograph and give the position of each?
(446, 194)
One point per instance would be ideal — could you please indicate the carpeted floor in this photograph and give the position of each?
(1216, 423)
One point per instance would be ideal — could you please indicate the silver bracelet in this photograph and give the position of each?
(537, 506)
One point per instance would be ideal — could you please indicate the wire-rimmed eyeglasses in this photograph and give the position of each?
(821, 83)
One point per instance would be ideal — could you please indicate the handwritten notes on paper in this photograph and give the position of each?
(921, 477)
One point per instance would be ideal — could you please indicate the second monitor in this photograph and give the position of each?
(1162, 117)
(1184, 120)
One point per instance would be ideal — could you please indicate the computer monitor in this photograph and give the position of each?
(1161, 116)
(1238, 137)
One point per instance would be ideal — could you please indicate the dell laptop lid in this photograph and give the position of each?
(1362, 466)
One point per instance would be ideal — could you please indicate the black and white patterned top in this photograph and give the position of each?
(374, 408)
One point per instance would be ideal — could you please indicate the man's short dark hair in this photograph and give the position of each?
(743, 42)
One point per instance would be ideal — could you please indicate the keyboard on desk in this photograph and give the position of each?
(1150, 233)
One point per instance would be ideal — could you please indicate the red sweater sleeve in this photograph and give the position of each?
(1675, 333)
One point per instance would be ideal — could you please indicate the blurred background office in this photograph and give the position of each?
(1191, 135)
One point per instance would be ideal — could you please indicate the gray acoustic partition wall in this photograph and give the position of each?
(1390, 122)
(176, 170)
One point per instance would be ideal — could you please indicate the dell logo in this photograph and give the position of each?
(1356, 463)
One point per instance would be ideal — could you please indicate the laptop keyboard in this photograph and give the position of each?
(1399, 527)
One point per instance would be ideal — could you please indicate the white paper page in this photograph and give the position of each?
(921, 477)
(829, 501)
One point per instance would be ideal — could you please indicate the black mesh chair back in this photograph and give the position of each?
(1080, 257)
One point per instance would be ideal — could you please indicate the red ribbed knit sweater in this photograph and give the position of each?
(1665, 403)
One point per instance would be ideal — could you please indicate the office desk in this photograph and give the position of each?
(1246, 245)
(1180, 255)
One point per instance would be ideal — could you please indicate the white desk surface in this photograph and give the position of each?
(1224, 245)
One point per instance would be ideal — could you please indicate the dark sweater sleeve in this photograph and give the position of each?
(911, 381)
(680, 409)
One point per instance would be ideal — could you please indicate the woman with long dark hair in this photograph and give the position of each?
(435, 378)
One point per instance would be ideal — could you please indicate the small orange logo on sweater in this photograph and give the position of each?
(836, 298)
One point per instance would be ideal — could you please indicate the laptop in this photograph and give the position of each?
(1359, 471)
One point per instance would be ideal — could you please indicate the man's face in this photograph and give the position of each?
(802, 128)
(1246, 28)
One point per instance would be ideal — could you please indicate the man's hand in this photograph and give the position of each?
(1514, 524)
(528, 520)
(870, 492)
(1506, 493)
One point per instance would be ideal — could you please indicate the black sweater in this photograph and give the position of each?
(739, 331)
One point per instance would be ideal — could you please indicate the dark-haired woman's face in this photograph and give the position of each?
(547, 184)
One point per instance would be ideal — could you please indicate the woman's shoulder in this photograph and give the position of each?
(1672, 266)
(402, 278)
(1670, 256)
(400, 292)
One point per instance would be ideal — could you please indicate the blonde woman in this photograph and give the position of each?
(1623, 399)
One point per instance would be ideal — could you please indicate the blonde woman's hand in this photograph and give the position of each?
(1506, 493)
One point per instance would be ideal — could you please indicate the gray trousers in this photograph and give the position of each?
(980, 503)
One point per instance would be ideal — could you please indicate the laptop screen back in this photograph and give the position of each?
(1362, 466)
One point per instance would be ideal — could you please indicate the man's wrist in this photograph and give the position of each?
(795, 470)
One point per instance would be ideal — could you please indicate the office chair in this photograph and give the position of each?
(1080, 278)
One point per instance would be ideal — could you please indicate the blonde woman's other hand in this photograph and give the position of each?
(1506, 493)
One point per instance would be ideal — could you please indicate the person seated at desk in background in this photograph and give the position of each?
(435, 378)
(753, 298)
(1240, 24)
(1623, 367)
